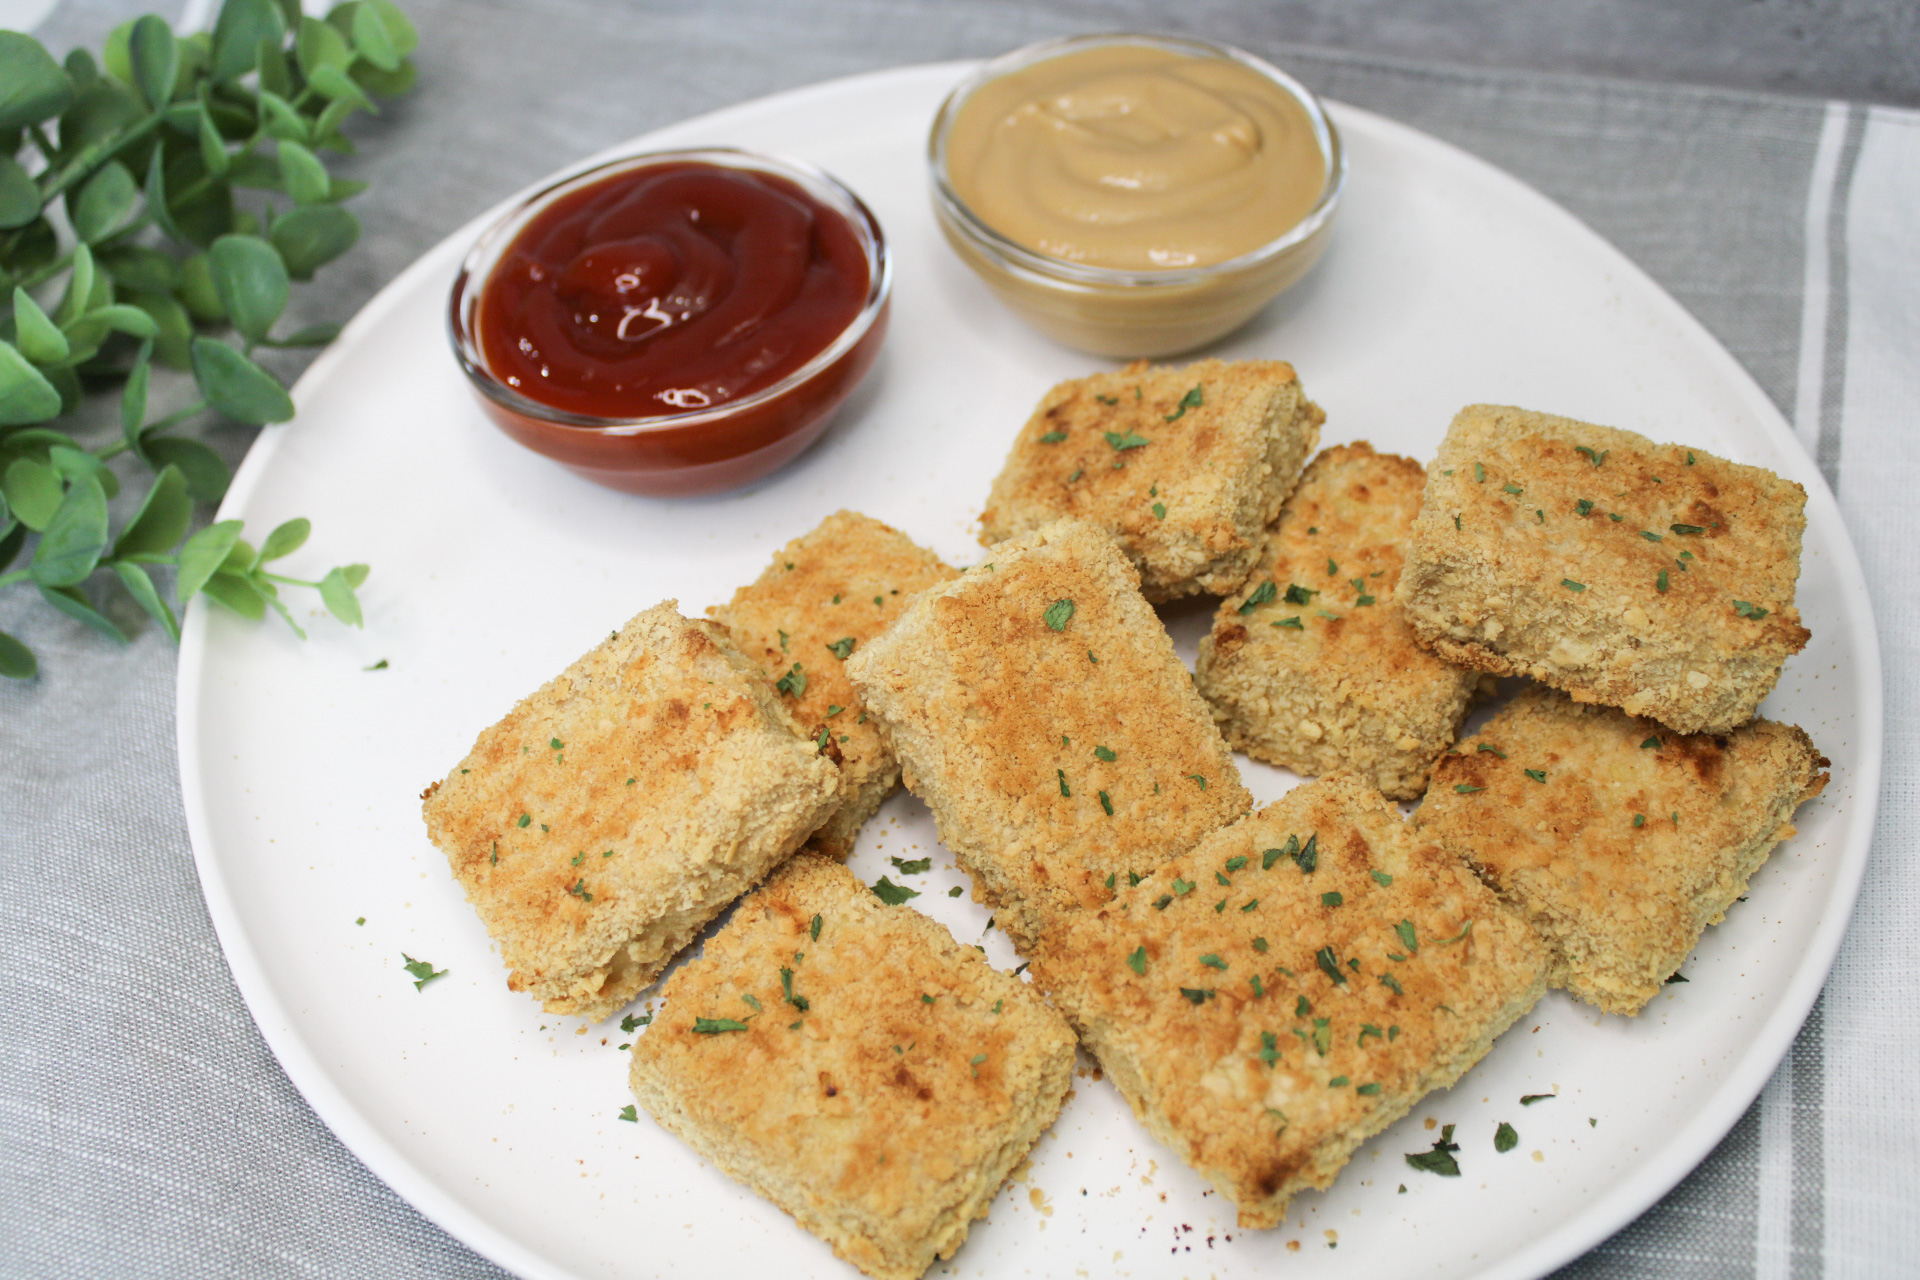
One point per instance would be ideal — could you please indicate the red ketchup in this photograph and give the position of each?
(669, 289)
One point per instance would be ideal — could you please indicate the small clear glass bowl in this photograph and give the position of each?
(1133, 313)
(701, 450)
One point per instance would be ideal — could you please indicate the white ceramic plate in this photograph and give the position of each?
(1448, 283)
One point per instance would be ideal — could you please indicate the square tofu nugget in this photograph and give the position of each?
(1186, 467)
(853, 1064)
(1037, 706)
(1651, 577)
(826, 594)
(1292, 986)
(1313, 666)
(619, 808)
(1620, 841)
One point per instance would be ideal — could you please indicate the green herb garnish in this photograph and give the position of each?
(1196, 996)
(628, 1113)
(1571, 585)
(1121, 443)
(1504, 1138)
(1058, 614)
(1308, 856)
(1261, 595)
(1747, 609)
(794, 682)
(1584, 507)
(1686, 530)
(1529, 1099)
(1407, 937)
(892, 894)
(1538, 775)
(422, 971)
(714, 1026)
(1330, 966)
(1440, 1158)
(1138, 960)
(1596, 458)
(912, 866)
(813, 930)
(1106, 804)
(1332, 899)
(1053, 437)
(842, 648)
(1491, 750)
(786, 989)
(1105, 753)
(1191, 400)
(1297, 594)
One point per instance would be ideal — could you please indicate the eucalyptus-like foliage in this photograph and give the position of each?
(150, 199)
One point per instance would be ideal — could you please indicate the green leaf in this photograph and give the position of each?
(25, 394)
(312, 236)
(387, 84)
(279, 120)
(371, 38)
(314, 335)
(336, 592)
(117, 53)
(156, 529)
(302, 174)
(79, 288)
(19, 197)
(80, 68)
(202, 204)
(285, 613)
(204, 553)
(237, 34)
(326, 129)
(37, 337)
(285, 540)
(73, 463)
(105, 202)
(32, 85)
(238, 593)
(238, 387)
(34, 491)
(206, 471)
(141, 588)
(133, 396)
(175, 328)
(16, 660)
(31, 247)
(399, 26)
(317, 44)
(337, 86)
(91, 329)
(71, 546)
(355, 574)
(157, 207)
(12, 540)
(72, 602)
(155, 56)
(139, 269)
(251, 281)
(197, 292)
(276, 73)
(213, 147)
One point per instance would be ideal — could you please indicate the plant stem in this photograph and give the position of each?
(291, 582)
(18, 575)
(52, 184)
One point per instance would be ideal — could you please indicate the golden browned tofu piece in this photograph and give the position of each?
(1292, 986)
(1651, 577)
(1186, 467)
(827, 593)
(1037, 706)
(1312, 666)
(853, 1064)
(1620, 840)
(618, 809)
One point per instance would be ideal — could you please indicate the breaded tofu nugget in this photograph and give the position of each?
(1292, 986)
(1186, 467)
(618, 809)
(827, 593)
(1312, 666)
(1651, 577)
(1037, 706)
(1619, 840)
(853, 1064)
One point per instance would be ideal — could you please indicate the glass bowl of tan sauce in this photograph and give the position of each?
(1135, 195)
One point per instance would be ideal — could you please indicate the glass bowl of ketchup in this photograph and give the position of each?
(677, 322)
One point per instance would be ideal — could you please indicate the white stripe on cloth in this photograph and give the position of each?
(1872, 1018)
(1814, 293)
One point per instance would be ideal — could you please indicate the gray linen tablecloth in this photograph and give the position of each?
(145, 1129)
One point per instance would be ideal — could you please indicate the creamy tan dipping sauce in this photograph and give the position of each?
(1136, 158)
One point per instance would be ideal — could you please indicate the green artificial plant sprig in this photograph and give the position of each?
(124, 243)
